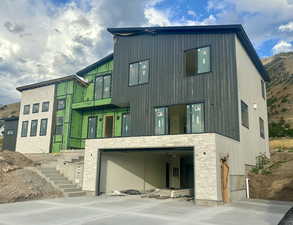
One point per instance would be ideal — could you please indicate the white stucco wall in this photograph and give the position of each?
(249, 90)
(36, 144)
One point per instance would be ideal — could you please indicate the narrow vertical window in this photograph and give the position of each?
(143, 72)
(45, 107)
(133, 74)
(34, 127)
(244, 114)
(59, 125)
(103, 87)
(263, 89)
(125, 124)
(261, 128)
(92, 127)
(36, 107)
(107, 87)
(24, 128)
(195, 118)
(203, 60)
(161, 120)
(61, 104)
(43, 127)
(26, 109)
(99, 87)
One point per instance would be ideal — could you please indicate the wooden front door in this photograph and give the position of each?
(109, 126)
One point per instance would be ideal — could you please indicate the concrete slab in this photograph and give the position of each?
(134, 210)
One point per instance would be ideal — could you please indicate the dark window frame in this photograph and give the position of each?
(203, 115)
(57, 105)
(166, 119)
(57, 125)
(38, 108)
(261, 128)
(122, 124)
(31, 130)
(196, 52)
(263, 88)
(47, 102)
(22, 128)
(45, 133)
(138, 84)
(242, 103)
(29, 109)
(88, 123)
(95, 80)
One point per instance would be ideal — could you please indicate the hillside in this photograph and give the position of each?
(9, 110)
(280, 94)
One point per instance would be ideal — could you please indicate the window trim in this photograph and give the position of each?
(241, 101)
(139, 84)
(21, 133)
(263, 88)
(102, 75)
(166, 126)
(123, 123)
(31, 135)
(262, 135)
(56, 125)
(61, 99)
(45, 119)
(96, 130)
(204, 116)
(43, 106)
(195, 49)
(38, 104)
(29, 109)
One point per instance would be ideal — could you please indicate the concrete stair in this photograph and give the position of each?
(62, 183)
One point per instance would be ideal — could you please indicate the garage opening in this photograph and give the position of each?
(146, 170)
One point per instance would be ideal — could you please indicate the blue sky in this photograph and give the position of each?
(46, 39)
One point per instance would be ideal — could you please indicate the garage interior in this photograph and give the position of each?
(168, 169)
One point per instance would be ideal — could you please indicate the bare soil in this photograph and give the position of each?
(17, 183)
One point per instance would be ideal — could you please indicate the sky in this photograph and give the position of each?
(46, 39)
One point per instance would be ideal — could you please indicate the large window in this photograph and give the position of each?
(43, 127)
(138, 73)
(45, 107)
(103, 87)
(34, 127)
(125, 124)
(59, 125)
(61, 104)
(198, 61)
(261, 128)
(161, 120)
(263, 89)
(36, 107)
(24, 128)
(26, 109)
(195, 118)
(244, 114)
(92, 127)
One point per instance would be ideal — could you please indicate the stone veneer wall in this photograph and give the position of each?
(206, 169)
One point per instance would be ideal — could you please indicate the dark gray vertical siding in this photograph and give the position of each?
(9, 141)
(169, 85)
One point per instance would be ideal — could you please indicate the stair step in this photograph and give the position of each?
(72, 189)
(64, 186)
(61, 182)
(75, 194)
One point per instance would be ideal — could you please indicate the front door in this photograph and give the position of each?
(109, 126)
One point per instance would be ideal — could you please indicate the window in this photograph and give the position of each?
(10, 132)
(244, 114)
(92, 127)
(198, 61)
(43, 127)
(103, 87)
(261, 127)
(26, 109)
(24, 128)
(45, 107)
(61, 104)
(34, 127)
(59, 125)
(161, 120)
(36, 107)
(138, 73)
(125, 124)
(263, 89)
(195, 118)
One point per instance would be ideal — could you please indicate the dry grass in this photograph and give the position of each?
(282, 143)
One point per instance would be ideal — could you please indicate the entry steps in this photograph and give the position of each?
(62, 183)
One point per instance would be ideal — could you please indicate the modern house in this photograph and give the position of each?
(169, 109)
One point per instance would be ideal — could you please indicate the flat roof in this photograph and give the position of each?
(233, 28)
(50, 82)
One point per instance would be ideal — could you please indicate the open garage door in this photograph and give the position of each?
(145, 169)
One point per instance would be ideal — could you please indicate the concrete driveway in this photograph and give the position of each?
(137, 211)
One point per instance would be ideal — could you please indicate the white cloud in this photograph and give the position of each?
(191, 13)
(286, 27)
(282, 46)
(156, 17)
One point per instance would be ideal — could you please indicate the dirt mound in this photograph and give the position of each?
(17, 183)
